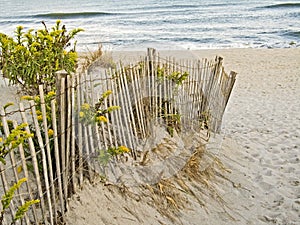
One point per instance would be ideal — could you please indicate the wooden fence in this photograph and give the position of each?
(182, 97)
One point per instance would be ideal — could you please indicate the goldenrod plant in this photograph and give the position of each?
(106, 155)
(97, 114)
(48, 98)
(49, 130)
(32, 57)
(16, 137)
(6, 201)
(175, 76)
(114, 151)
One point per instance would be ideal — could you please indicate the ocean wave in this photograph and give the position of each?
(166, 7)
(295, 34)
(180, 6)
(282, 5)
(72, 15)
(84, 15)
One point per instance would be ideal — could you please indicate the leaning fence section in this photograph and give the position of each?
(181, 96)
(90, 115)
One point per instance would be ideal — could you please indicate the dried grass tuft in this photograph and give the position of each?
(170, 196)
(97, 58)
(91, 57)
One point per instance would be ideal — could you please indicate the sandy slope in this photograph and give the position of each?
(263, 117)
(261, 148)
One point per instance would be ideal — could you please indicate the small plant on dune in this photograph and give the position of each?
(33, 57)
(114, 151)
(97, 114)
(97, 57)
(106, 155)
(8, 197)
(175, 76)
(17, 136)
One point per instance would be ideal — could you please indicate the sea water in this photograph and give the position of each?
(165, 24)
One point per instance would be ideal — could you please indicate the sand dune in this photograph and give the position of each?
(260, 150)
(261, 141)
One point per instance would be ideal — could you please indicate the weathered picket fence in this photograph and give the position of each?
(158, 97)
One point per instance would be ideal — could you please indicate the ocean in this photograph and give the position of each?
(163, 24)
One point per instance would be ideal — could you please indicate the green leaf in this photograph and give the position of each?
(7, 105)
(8, 196)
(23, 209)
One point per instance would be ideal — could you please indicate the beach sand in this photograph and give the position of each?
(260, 151)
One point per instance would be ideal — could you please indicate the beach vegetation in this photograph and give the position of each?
(7, 199)
(97, 58)
(40, 116)
(31, 58)
(99, 113)
(17, 136)
(176, 76)
(106, 155)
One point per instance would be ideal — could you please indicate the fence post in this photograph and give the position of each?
(62, 74)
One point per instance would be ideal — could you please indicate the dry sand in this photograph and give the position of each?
(261, 149)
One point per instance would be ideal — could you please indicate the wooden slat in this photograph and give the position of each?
(2, 169)
(68, 133)
(79, 125)
(26, 175)
(57, 157)
(48, 150)
(35, 164)
(44, 160)
(73, 138)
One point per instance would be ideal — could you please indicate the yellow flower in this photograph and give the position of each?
(1, 139)
(36, 98)
(101, 119)
(51, 94)
(106, 94)
(81, 114)
(38, 112)
(27, 97)
(19, 169)
(72, 55)
(85, 106)
(113, 108)
(50, 132)
(123, 149)
(40, 118)
(13, 144)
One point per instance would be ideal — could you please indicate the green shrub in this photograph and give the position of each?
(33, 57)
